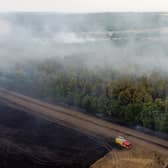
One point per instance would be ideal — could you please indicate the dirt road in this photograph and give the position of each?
(81, 122)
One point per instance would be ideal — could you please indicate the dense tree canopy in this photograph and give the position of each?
(133, 100)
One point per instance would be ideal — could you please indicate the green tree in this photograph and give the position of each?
(149, 114)
(86, 104)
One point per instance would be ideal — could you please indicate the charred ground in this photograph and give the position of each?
(31, 141)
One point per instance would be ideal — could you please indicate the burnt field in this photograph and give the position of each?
(32, 142)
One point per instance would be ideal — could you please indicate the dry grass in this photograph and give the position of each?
(137, 157)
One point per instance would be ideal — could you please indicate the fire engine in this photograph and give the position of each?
(121, 141)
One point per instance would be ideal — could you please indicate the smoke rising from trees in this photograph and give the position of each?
(115, 64)
(132, 42)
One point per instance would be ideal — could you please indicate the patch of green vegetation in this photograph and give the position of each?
(133, 100)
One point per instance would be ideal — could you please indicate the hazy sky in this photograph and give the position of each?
(83, 5)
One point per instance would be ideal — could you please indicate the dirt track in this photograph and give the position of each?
(85, 123)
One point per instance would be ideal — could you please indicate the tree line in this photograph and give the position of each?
(134, 100)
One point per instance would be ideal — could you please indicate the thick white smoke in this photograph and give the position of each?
(126, 44)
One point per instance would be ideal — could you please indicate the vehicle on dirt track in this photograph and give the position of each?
(121, 141)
